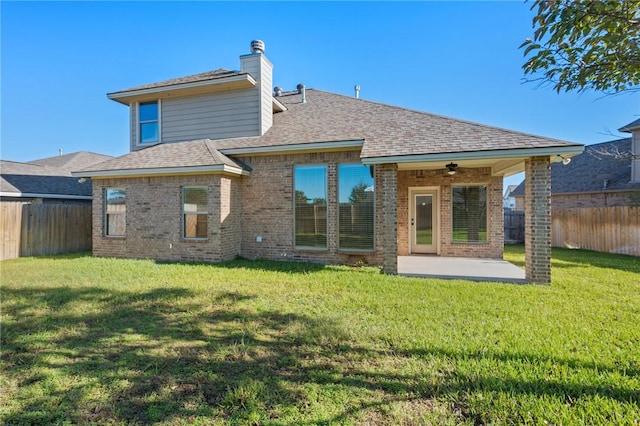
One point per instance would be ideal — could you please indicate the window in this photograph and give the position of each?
(310, 206)
(469, 212)
(149, 123)
(194, 213)
(115, 212)
(355, 216)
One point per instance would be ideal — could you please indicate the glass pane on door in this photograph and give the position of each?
(424, 219)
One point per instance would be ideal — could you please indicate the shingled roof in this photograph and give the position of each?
(181, 155)
(65, 164)
(383, 131)
(587, 172)
(203, 76)
(629, 127)
(386, 130)
(48, 177)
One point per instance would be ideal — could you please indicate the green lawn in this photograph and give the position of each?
(104, 341)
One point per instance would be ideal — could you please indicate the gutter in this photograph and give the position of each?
(162, 171)
(37, 195)
(477, 155)
(300, 147)
(123, 96)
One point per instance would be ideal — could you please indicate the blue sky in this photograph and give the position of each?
(458, 59)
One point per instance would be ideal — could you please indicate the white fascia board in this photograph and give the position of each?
(478, 155)
(278, 106)
(163, 171)
(118, 96)
(37, 195)
(315, 146)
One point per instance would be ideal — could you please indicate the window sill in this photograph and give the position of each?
(358, 251)
(114, 237)
(303, 248)
(194, 240)
(474, 243)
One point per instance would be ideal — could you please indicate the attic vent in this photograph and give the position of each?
(257, 46)
(302, 91)
(277, 91)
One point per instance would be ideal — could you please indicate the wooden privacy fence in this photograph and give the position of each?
(605, 229)
(514, 226)
(38, 229)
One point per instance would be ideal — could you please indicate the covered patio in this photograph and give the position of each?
(466, 268)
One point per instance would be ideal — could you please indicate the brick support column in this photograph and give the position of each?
(537, 216)
(389, 226)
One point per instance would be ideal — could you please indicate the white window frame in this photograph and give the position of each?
(140, 122)
(184, 213)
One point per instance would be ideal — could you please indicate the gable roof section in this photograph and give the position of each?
(206, 82)
(384, 133)
(189, 157)
(387, 131)
(47, 178)
(586, 172)
(194, 78)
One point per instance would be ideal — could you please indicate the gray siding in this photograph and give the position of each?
(133, 111)
(214, 116)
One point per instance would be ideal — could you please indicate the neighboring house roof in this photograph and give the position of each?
(203, 76)
(181, 157)
(587, 172)
(509, 191)
(48, 177)
(629, 127)
(70, 162)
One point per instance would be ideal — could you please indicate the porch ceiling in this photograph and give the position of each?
(503, 162)
(498, 166)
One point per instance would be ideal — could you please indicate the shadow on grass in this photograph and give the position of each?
(260, 264)
(93, 355)
(577, 258)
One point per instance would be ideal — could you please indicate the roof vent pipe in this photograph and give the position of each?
(302, 90)
(257, 46)
(357, 90)
(277, 91)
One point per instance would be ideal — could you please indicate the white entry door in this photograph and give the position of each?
(423, 222)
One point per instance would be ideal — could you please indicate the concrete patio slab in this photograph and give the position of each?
(464, 268)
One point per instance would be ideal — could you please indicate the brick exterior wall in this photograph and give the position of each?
(537, 227)
(494, 246)
(241, 209)
(388, 178)
(267, 210)
(154, 219)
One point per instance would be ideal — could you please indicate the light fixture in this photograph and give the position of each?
(82, 180)
(565, 160)
(452, 168)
